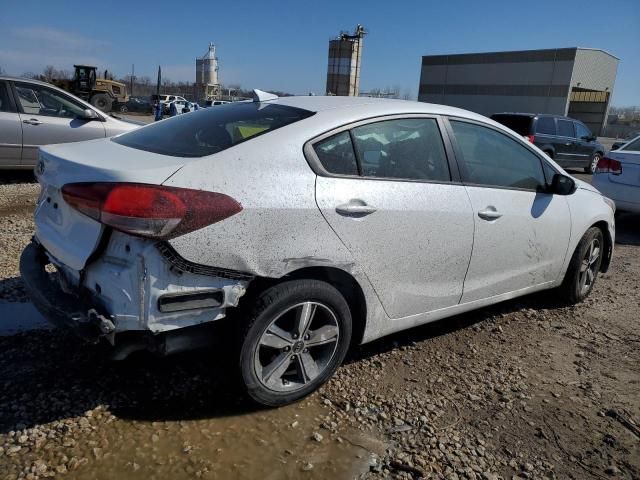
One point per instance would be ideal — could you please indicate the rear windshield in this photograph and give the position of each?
(205, 132)
(521, 124)
(632, 146)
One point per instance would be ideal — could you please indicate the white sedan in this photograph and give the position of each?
(618, 176)
(310, 224)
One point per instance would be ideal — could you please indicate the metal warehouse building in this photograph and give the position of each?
(576, 82)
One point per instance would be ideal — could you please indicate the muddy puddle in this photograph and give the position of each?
(270, 444)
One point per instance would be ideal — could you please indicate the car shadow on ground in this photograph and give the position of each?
(627, 228)
(17, 176)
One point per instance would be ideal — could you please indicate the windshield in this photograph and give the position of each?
(210, 131)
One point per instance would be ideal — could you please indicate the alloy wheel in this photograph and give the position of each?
(594, 163)
(588, 267)
(296, 347)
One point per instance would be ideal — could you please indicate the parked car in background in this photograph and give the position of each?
(567, 141)
(137, 105)
(34, 113)
(166, 100)
(618, 176)
(212, 103)
(312, 223)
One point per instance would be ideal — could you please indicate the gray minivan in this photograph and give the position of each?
(568, 141)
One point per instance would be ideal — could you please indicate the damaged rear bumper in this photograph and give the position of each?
(60, 308)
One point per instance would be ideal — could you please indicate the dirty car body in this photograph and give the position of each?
(312, 222)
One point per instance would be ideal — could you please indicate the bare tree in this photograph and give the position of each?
(1, 71)
(35, 76)
(49, 73)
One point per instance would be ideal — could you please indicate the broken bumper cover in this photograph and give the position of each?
(60, 308)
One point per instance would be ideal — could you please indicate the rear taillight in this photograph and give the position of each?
(152, 211)
(530, 138)
(608, 165)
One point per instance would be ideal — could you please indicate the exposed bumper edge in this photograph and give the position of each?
(60, 308)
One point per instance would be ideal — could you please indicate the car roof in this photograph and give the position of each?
(29, 80)
(532, 115)
(377, 106)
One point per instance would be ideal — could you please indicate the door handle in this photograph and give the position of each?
(355, 207)
(32, 121)
(489, 213)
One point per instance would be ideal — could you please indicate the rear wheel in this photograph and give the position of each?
(583, 268)
(102, 101)
(297, 336)
(593, 164)
(122, 108)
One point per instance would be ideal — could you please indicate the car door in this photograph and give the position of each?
(50, 116)
(10, 129)
(566, 143)
(385, 188)
(585, 144)
(521, 232)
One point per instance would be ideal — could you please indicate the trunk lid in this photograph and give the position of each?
(630, 167)
(67, 234)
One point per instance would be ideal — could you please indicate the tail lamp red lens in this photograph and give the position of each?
(531, 138)
(153, 211)
(608, 165)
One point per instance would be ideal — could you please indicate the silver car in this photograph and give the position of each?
(311, 224)
(34, 113)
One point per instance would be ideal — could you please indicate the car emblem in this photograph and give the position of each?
(40, 168)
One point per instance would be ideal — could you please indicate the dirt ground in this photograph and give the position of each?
(524, 389)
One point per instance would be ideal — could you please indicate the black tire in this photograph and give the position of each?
(593, 163)
(102, 101)
(123, 108)
(274, 305)
(573, 289)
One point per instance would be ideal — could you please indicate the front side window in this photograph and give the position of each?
(409, 148)
(492, 158)
(582, 132)
(211, 130)
(546, 126)
(336, 154)
(565, 128)
(40, 100)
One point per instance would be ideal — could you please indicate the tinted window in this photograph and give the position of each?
(39, 100)
(210, 131)
(492, 158)
(5, 104)
(633, 146)
(336, 154)
(521, 124)
(582, 131)
(565, 128)
(403, 148)
(546, 126)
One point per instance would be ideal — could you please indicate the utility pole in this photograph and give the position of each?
(133, 77)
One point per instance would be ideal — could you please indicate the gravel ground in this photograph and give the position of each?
(524, 389)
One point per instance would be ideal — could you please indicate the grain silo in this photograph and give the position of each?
(343, 71)
(207, 84)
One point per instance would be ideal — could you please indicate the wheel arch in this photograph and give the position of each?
(343, 281)
(608, 244)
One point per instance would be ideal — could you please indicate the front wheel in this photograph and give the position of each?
(583, 268)
(297, 335)
(591, 169)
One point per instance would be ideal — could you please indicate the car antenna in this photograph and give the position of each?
(260, 96)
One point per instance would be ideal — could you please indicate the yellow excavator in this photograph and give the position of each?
(102, 93)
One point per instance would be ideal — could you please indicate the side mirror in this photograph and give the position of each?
(88, 114)
(562, 185)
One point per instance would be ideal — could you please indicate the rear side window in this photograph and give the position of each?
(633, 146)
(521, 124)
(211, 130)
(565, 128)
(5, 103)
(336, 154)
(546, 126)
(492, 158)
(405, 148)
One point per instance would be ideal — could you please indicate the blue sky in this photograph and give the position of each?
(283, 45)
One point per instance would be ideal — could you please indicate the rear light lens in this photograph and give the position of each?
(152, 211)
(608, 165)
(530, 138)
